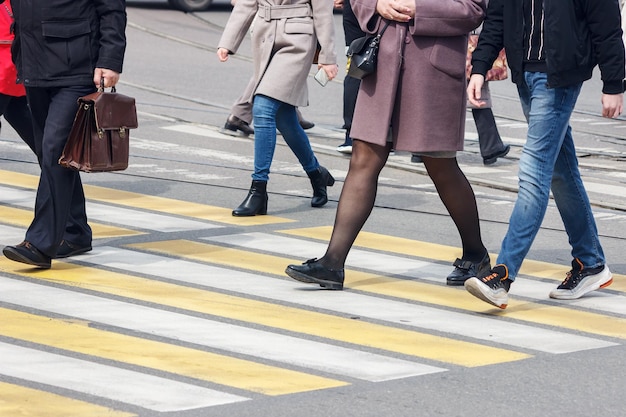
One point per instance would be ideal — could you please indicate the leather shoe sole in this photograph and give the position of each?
(27, 254)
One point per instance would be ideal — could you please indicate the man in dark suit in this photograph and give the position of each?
(62, 50)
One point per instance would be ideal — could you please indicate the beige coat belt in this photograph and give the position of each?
(283, 12)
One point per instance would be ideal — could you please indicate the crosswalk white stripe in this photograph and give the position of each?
(118, 215)
(412, 268)
(613, 190)
(346, 302)
(210, 333)
(131, 387)
(10, 235)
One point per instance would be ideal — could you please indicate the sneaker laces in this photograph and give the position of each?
(497, 279)
(572, 276)
(576, 274)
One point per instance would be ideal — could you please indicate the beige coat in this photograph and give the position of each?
(419, 87)
(284, 39)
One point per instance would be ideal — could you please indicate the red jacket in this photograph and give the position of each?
(8, 73)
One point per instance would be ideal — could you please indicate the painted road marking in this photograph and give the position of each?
(150, 203)
(111, 214)
(28, 402)
(386, 265)
(399, 313)
(76, 336)
(131, 387)
(210, 333)
(23, 218)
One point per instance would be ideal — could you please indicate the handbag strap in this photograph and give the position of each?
(383, 29)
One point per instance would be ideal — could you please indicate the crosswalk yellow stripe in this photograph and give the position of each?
(77, 336)
(444, 253)
(405, 289)
(22, 218)
(18, 401)
(268, 314)
(154, 203)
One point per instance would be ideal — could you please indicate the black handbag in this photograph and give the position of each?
(363, 54)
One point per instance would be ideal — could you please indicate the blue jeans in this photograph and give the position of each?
(270, 114)
(549, 161)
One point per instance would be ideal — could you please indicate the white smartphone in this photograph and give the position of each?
(321, 77)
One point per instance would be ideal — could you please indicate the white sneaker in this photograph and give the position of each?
(345, 149)
(580, 281)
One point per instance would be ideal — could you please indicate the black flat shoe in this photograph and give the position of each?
(68, 249)
(27, 254)
(464, 270)
(234, 126)
(313, 272)
(305, 124)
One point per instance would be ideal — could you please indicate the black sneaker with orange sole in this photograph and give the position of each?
(493, 288)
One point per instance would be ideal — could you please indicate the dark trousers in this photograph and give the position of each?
(60, 202)
(488, 136)
(15, 111)
(350, 91)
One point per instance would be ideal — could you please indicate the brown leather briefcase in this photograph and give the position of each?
(98, 141)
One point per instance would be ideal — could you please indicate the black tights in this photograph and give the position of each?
(359, 193)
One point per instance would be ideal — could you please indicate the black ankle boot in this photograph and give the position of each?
(320, 179)
(256, 201)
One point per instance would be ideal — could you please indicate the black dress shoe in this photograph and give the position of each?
(234, 125)
(313, 272)
(27, 254)
(464, 270)
(68, 249)
(305, 124)
(491, 159)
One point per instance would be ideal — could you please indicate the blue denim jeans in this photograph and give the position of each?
(549, 161)
(270, 114)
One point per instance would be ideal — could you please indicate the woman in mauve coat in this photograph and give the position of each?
(284, 40)
(414, 102)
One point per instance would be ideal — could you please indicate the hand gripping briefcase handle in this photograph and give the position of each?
(99, 139)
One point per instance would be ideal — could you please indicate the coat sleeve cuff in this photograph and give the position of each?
(613, 87)
(480, 67)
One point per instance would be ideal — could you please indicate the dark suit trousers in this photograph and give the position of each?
(60, 202)
(488, 137)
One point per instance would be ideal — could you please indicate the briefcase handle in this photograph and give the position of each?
(101, 88)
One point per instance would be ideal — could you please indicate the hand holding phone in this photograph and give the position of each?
(321, 77)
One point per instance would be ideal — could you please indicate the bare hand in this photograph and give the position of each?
(398, 10)
(222, 54)
(110, 77)
(612, 105)
(331, 70)
(338, 4)
(474, 87)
